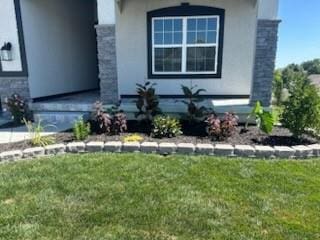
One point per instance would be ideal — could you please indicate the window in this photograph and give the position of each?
(185, 46)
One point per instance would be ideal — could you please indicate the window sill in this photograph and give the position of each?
(184, 76)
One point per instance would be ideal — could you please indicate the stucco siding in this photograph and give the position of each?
(9, 33)
(60, 46)
(238, 52)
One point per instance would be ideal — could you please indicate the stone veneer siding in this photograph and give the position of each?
(266, 48)
(107, 57)
(11, 85)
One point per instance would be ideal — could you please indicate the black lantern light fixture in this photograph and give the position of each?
(6, 52)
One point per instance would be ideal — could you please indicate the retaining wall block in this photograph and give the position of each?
(114, 147)
(149, 147)
(167, 148)
(284, 152)
(303, 151)
(11, 155)
(76, 147)
(55, 149)
(33, 152)
(131, 147)
(94, 146)
(204, 149)
(224, 150)
(186, 148)
(265, 151)
(315, 149)
(244, 151)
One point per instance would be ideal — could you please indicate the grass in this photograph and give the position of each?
(135, 196)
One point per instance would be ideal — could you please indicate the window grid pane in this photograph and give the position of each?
(198, 57)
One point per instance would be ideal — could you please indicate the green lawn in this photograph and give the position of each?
(106, 196)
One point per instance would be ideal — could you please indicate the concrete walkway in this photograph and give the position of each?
(10, 135)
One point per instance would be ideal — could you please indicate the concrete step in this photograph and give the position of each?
(60, 117)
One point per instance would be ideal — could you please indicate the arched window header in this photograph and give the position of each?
(185, 41)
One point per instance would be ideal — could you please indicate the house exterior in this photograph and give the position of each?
(227, 47)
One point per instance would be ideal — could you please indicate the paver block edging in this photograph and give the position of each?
(114, 147)
(33, 152)
(167, 148)
(55, 149)
(149, 147)
(225, 150)
(186, 148)
(94, 146)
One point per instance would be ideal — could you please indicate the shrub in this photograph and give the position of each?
(166, 126)
(192, 96)
(81, 130)
(265, 120)
(18, 108)
(36, 134)
(277, 87)
(148, 102)
(221, 129)
(112, 122)
(302, 109)
(133, 138)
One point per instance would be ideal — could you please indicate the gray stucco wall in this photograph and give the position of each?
(11, 85)
(107, 58)
(266, 48)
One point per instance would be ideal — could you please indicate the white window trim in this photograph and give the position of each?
(185, 45)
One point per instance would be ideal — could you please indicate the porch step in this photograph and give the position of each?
(60, 117)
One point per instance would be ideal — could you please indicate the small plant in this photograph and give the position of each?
(193, 98)
(301, 111)
(18, 108)
(36, 134)
(148, 102)
(265, 120)
(166, 126)
(81, 130)
(133, 138)
(112, 121)
(221, 129)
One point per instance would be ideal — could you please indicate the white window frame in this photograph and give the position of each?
(184, 46)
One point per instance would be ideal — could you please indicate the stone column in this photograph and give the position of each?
(107, 54)
(266, 48)
(14, 85)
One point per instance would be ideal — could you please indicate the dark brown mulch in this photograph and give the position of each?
(192, 134)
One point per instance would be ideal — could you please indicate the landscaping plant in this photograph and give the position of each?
(36, 134)
(301, 111)
(81, 130)
(166, 126)
(221, 129)
(148, 102)
(264, 119)
(18, 108)
(112, 121)
(193, 98)
(133, 138)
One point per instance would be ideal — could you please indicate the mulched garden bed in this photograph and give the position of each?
(192, 134)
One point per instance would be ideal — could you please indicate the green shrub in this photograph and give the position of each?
(81, 130)
(302, 109)
(36, 134)
(277, 87)
(166, 126)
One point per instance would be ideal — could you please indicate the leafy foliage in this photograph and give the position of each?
(312, 67)
(277, 87)
(36, 134)
(112, 121)
(193, 98)
(133, 138)
(166, 126)
(264, 119)
(81, 130)
(148, 102)
(302, 109)
(221, 129)
(18, 108)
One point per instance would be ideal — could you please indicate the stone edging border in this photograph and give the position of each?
(226, 150)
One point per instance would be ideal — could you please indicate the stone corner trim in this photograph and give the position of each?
(265, 56)
(107, 60)
(223, 150)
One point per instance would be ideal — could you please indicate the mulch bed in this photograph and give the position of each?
(192, 134)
